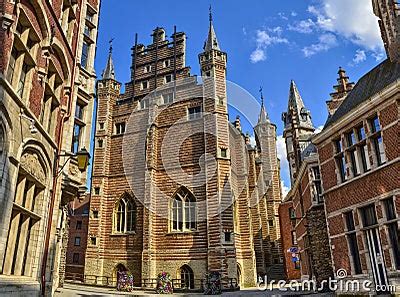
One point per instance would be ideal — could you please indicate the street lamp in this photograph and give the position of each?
(82, 157)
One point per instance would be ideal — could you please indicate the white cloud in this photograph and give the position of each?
(326, 42)
(285, 174)
(264, 40)
(258, 55)
(319, 129)
(304, 26)
(359, 57)
(283, 16)
(285, 189)
(293, 14)
(351, 19)
(378, 56)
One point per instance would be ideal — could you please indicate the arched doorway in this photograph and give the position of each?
(187, 277)
(120, 268)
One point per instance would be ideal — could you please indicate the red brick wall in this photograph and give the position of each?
(79, 212)
(286, 236)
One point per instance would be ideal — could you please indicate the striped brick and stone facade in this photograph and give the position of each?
(176, 185)
(47, 53)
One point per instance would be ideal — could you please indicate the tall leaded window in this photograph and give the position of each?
(183, 211)
(351, 236)
(21, 245)
(85, 54)
(317, 186)
(393, 230)
(340, 160)
(11, 65)
(125, 215)
(377, 141)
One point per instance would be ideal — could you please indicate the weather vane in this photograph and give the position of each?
(262, 96)
(111, 46)
(210, 11)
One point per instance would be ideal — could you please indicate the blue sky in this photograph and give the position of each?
(268, 43)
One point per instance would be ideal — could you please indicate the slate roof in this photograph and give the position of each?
(370, 84)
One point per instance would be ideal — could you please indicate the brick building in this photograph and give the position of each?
(176, 186)
(359, 159)
(77, 238)
(46, 102)
(305, 241)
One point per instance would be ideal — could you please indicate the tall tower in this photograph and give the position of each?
(388, 12)
(342, 89)
(298, 130)
(270, 195)
(108, 91)
(221, 253)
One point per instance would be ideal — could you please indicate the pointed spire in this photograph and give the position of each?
(211, 42)
(109, 72)
(297, 109)
(263, 117)
(295, 100)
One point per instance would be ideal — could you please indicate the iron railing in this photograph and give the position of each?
(150, 283)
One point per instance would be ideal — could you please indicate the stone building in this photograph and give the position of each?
(77, 238)
(46, 102)
(305, 241)
(177, 187)
(359, 158)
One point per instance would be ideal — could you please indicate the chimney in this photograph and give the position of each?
(158, 35)
(237, 123)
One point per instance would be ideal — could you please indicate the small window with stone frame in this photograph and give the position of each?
(144, 103)
(147, 69)
(75, 258)
(144, 85)
(120, 128)
(167, 63)
(168, 78)
(168, 98)
(194, 112)
(77, 241)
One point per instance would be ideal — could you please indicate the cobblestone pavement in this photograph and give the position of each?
(72, 290)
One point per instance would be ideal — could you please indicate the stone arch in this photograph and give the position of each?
(186, 276)
(33, 145)
(118, 268)
(61, 56)
(36, 14)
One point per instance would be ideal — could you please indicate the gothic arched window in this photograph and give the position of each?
(125, 215)
(183, 211)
